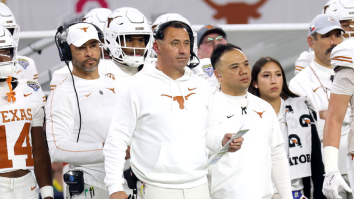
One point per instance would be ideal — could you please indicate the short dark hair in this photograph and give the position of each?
(314, 35)
(285, 91)
(174, 24)
(220, 50)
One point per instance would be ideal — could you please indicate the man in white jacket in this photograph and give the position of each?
(167, 116)
(249, 172)
(78, 117)
(98, 17)
(315, 81)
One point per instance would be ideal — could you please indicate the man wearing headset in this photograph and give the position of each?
(167, 116)
(98, 17)
(78, 116)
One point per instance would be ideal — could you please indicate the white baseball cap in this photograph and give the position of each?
(343, 55)
(80, 33)
(323, 24)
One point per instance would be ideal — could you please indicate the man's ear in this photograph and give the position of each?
(217, 75)
(310, 41)
(156, 47)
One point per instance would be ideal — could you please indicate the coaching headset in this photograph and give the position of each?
(62, 44)
(65, 55)
(159, 34)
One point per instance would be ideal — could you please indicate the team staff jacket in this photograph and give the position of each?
(169, 123)
(314, 82)
(62, 124)
(237, 175)
(16, 121)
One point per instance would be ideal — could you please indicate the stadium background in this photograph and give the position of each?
(275, 28)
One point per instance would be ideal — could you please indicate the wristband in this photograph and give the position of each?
(47, 191)
(330, 158)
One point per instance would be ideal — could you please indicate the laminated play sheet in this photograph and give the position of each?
(214, 159)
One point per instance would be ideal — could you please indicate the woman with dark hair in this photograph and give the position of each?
(297, 119)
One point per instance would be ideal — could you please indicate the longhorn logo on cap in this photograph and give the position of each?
(210, 27)
(330, 19)
(84, 28)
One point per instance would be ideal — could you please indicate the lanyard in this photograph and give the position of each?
(324, 90)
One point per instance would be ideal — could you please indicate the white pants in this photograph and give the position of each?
(152, 192)
(18, 188)
(97, 193)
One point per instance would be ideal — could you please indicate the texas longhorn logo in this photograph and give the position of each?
(236, 12)
(179, 99)
(111, 89)
(259, 113)
(110, 19)
(331, 19)
(84, 28)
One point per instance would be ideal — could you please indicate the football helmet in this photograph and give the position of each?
(121, 24)
(8, 54)
(343, 10)
(97, 16)
(7, 20)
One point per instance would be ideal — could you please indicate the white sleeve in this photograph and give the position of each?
(60, 111)
(215, 130)
(343, 82)
(303, 61)
(277, 137)
(38, 115)
(296, 87)
(119, 136)
(280, 172)
(38, 118)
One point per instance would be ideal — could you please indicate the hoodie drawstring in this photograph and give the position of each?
(183, 96)
(171, 95)
(11, 94)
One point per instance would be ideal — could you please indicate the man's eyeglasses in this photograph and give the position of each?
(209, 41)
